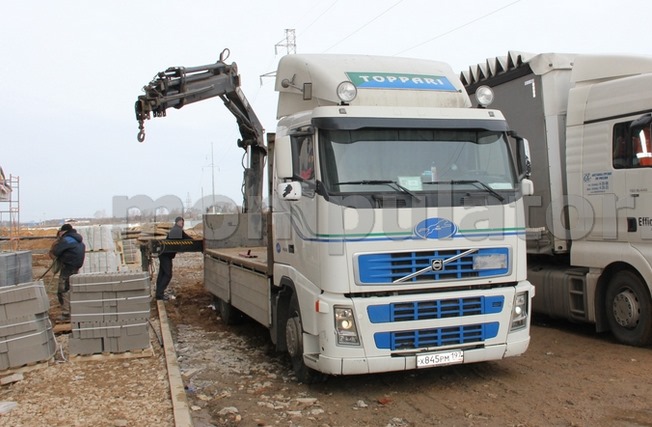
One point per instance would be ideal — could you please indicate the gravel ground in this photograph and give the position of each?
(78, 392)
(569, 376)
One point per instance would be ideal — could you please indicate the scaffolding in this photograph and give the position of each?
(9, 213)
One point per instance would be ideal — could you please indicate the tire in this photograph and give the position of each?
(628, 307)
(294, 340)
(229, 314)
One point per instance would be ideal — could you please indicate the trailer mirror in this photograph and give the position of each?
(524, 163)
(527, 187)
(283, 157)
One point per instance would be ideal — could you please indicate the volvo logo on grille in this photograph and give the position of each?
(437, 264)
(435, 228)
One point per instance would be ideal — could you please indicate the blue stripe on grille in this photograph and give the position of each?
(384, 268)
(437, 337)
(435, 309)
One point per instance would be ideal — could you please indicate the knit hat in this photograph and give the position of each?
(66, 227)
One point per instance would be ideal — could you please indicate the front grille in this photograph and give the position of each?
(436, 337)
(385, 268)
(435, 309)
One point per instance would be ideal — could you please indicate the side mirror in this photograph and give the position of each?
(289, 190)
(283, 157)
(524, 163)
(527, 187)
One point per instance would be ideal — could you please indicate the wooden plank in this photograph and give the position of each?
(132, 354)
(61, 328)
(27, 368)
(180, 405)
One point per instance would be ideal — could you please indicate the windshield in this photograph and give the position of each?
(417, 160)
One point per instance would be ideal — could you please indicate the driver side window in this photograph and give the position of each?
(303, 153)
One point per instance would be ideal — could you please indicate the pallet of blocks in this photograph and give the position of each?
(109, 313)
(26, 334)
(15, 267)
(101, 250)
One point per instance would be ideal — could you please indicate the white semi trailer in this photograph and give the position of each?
(587, 118)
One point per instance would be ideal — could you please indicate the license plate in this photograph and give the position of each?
(440, 359)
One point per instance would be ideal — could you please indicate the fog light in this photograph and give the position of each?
(519, 311)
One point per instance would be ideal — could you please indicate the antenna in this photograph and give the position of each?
(290, 42)
(290, 45)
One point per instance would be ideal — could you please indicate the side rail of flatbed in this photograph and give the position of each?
(240, 277)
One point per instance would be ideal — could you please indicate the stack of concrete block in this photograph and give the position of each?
(109, 312)
(26, 334)
(101, 254)
(15, 267)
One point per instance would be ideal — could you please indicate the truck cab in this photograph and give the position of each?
(398, 236)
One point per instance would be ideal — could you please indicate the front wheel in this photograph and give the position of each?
(294, 341)
(629, 309)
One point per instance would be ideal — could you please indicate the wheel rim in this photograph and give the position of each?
(626, 309)
(293, 336)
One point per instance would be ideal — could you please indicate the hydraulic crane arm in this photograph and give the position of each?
(180, 86)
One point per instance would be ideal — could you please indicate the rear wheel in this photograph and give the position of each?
(229, 314)
(294, 341)
(629, 309)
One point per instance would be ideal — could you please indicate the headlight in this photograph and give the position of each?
(347, 332)
(490, 261)
(346, 91)
(484, 95)
(520, 311)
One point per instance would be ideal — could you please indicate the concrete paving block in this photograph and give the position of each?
(15, 267)
(79, 346)
(23, 299)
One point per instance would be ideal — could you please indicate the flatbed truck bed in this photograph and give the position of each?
(252, 258)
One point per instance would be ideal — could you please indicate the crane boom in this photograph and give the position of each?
(177, 87)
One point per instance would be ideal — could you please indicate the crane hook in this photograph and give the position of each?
(225, 54)
(141, 131)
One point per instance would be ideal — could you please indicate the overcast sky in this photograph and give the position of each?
(71, 70)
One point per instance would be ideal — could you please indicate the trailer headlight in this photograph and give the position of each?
(484, 95)
(520, 311)
(347, 332)
(346, 91)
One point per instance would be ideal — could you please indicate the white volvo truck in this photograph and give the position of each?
(588, 119)
(395, 235)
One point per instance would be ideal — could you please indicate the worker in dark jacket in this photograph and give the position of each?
(165, 260)
(69, 251)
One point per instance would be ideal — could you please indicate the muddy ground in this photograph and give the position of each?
(569, 376)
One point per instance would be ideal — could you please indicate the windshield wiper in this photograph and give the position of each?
(482, 184)
(387, 182)
(471, 181)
